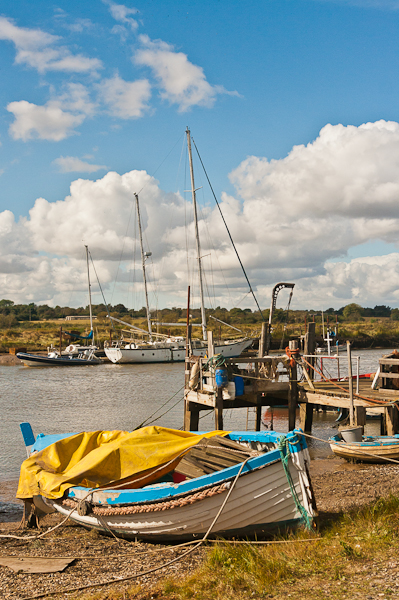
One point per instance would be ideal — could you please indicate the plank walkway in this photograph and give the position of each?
(330, 395)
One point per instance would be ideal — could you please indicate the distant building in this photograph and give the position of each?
(79, 318)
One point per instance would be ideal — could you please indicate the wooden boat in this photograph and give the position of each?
(53, 359)
(265, 473)
(371, 449)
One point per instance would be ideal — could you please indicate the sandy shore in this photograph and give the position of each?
(338, 486)
(9, 360)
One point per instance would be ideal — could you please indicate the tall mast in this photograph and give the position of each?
(193, 190)
(143, 257)
(88, 281)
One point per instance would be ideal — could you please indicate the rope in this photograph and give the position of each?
(214, 362)
(361, 451)
(372, 400)
(285, 453)
(135, 575)
(229, 234)
(153, 507)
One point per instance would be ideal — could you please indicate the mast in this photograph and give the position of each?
(144, 255)
(193, 190)
(89, 284)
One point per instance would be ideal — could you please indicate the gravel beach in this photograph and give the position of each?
(338, 486)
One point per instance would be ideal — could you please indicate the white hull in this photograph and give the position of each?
(261, 501)
(154, 355)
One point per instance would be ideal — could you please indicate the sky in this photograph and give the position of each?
(292, 105)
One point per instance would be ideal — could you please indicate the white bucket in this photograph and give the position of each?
(352, 434)
(229, 391)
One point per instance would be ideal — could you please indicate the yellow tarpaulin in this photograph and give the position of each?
(95, 459)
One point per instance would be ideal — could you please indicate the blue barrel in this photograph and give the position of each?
(239, 385)
(221, 377)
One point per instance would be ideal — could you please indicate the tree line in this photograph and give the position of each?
(12, 313)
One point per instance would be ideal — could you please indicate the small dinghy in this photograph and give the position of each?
(54, 359)
(371, 449)
(163, 484)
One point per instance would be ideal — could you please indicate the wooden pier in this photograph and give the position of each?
(263, 385)
(267, 385)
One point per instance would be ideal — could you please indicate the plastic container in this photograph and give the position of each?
(221, 377)
(229, 391)
(352, 434)
(239, 385)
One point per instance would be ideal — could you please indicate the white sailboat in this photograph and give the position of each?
(171, 349)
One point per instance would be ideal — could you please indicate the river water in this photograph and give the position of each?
(108, 396)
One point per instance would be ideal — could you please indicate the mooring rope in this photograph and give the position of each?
(360, 451)
(285, 453)
(372, 400)
(170, 562)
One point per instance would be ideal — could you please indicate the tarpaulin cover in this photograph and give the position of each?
(95, 459)
(80, 337)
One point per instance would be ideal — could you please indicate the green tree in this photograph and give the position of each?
(395, 314)
(353, 312)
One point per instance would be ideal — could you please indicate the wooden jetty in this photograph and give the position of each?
(265, 385)
(339, 394)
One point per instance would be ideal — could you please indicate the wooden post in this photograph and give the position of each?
(350, 385)
(293, 390)
(360, 416)
(262, 341)
(310, 346)
(391, 420)
(211, 348)
(219, 409)
(306, 410)
(306, 417)
(191, 416)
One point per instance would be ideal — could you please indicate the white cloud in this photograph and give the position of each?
(123, 14)
(181, 81)
(48, 122)
(76, 98)
(288, 219)
(72, 164)
(125, 99)
(56, 119)
(39, 50)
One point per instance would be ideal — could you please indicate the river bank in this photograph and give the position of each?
(339, 488)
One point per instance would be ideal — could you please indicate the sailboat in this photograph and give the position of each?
(74, 355)
(171, 349)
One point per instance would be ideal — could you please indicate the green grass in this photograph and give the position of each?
(341, 564)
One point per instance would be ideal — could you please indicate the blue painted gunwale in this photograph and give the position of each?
(368, 441)
(169, 490)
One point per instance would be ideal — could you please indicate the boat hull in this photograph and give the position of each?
(260, 502)
(36, 360)
(378, 451)
(158, 355)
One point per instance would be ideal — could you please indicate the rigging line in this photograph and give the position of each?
(160, 165)
(102, 293)
(159, 408)
(204, 217)
(228, 231)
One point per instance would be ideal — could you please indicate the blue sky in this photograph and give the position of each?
(293, 105)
